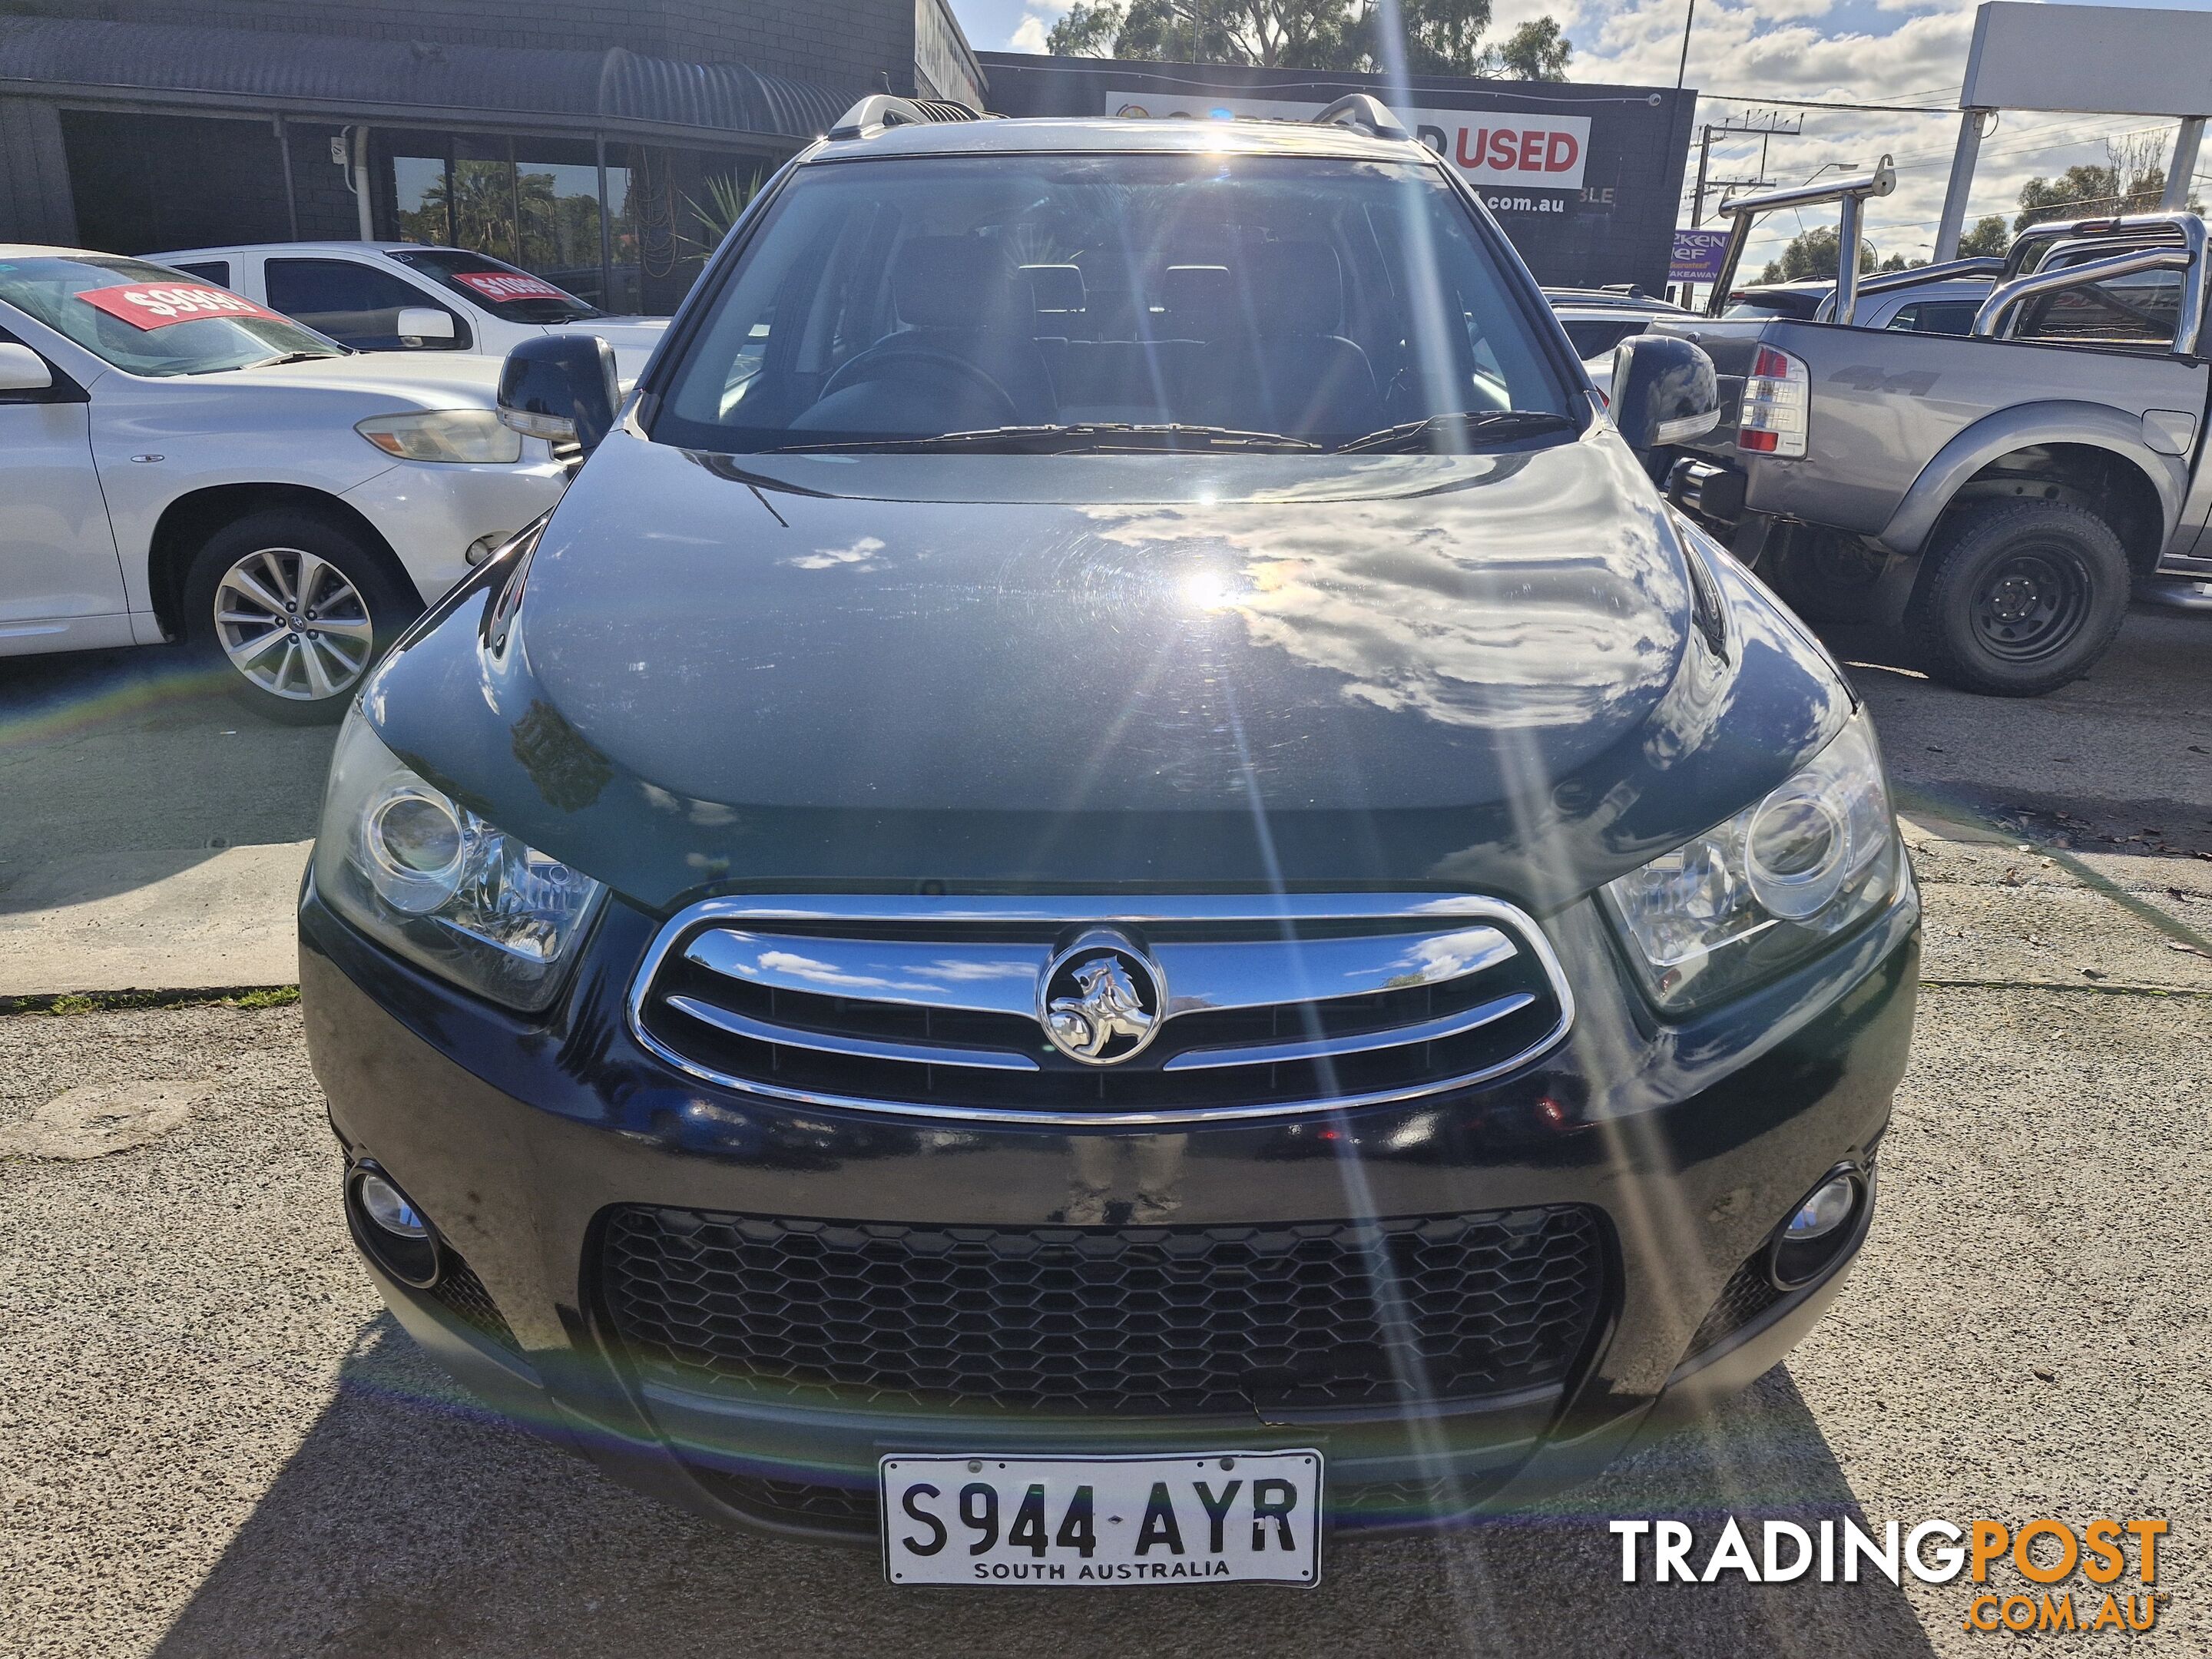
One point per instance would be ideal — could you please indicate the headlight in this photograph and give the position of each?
(1771, 885)
(426, 877)
(471, 435)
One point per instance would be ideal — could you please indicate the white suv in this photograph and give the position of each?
(178, 462)
(400, 296)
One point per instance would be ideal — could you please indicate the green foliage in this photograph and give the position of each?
(1087, 30)
(2087, 191)
(1441, 37)
(97, 1002)
(274, 996)
(727, 198)
(1812, 254)
(1534, 52)
(1988, 240)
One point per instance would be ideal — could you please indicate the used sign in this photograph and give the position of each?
(1488, 146)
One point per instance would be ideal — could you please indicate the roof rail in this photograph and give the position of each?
(1850, 194)
(1363, 113)
(879, 110)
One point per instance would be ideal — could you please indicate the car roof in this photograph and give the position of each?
(1613, 298)
(221, 249)
(1120, 135)
(48, 251)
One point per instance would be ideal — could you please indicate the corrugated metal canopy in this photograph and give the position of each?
(613, 90)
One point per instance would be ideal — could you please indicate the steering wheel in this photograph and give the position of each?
(891, 358)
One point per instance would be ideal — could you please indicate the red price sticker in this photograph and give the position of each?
(159, 305)
(508, 285)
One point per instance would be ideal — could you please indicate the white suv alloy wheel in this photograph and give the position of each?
(292, 624)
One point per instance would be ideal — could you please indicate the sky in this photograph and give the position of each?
(1883, 52)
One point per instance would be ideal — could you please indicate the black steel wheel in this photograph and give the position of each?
(2019, 598)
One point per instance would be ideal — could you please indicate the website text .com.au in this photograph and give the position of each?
(2043, 1554)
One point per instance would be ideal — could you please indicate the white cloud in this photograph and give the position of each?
(1864, 51)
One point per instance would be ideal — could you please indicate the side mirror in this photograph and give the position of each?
(561, 388)
(22, 369)
(424, 323)
(1664, 391)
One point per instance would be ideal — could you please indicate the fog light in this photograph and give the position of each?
(1828, 1209)
(387, 1207)
(484, 546)
(390, 1232)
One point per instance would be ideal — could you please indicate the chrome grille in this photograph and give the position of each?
(1264, 1004)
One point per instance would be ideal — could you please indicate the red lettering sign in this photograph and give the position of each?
(161, 305)
(508, 285)
(1534, 154)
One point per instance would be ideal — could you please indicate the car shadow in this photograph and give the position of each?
(121, 768)
(411, 1521)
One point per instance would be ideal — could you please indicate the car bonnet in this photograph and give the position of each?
(713, 671)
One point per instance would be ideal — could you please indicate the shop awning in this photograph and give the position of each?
(346, 78)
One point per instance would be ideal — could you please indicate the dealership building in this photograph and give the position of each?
(599, 145)
(596, 144)
(1584, 177)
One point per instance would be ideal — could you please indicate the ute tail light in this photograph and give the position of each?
(1777, 396)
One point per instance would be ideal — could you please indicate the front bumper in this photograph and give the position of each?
(517, 1136)
(431, 512)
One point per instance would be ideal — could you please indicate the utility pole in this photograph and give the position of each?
(1767, 125)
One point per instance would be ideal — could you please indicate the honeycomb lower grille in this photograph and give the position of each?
(843, 1509)
(1160, 1320)
(462, 1294)
(1748, 1293)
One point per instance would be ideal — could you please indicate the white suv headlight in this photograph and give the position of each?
(1771, 885)
(461, 436)
(426, 878)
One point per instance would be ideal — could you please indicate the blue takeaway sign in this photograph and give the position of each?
(1697, 256)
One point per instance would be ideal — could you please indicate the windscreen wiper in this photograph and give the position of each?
(1100, 437)
(1460, 431)
(283, 357)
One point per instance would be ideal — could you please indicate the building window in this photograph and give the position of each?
(535, 202)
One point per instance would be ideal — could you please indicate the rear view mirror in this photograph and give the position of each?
(1664, 391)
(561, 388)
(424, 323)
(22, 369)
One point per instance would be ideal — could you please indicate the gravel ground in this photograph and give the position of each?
(213, 1442)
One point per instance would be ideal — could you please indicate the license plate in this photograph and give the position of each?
(1225, 1518)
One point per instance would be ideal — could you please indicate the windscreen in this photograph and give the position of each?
(148, 319)
(512, 296)
(1090, 301)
